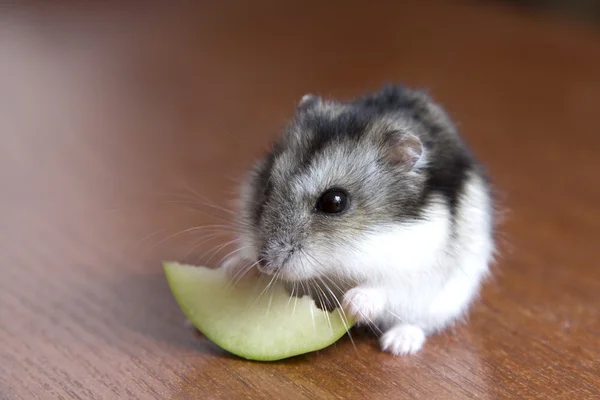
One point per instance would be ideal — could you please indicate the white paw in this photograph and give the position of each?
(403, 339)
(364, 304)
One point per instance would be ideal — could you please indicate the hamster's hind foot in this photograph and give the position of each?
(403, 339)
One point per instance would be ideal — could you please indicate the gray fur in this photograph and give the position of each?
(359, 137)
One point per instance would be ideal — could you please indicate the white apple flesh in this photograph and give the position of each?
(250, 320)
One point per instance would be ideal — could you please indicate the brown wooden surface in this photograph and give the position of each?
(111, 120)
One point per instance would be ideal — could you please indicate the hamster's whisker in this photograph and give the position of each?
(272, 291)
(197, 196)
(371, 323)
(204, 240)
(243, 271)
(148, 237)
(337, 287)
(202, 200)
(240, 274)
(208, 239)
(400, 319)
(304, 290)
(137, 244)
(323, 301)
(295, 299)
(181, 232)
(203, 212)
(266, 288)
(347, 327)
(321, 264)
(232, 253)
(225, 227)
(196, 202)
(221, 247)
(221, 208)
(291, 294)
(341, 312)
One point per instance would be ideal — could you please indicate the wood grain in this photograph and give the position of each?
(115, 121)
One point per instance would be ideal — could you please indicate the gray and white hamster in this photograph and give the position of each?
(379, 199)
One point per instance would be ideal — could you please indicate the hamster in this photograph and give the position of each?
(379, 200)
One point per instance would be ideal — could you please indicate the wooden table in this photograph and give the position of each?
(115, 122)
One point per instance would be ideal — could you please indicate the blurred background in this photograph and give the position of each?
(122, 124)
(120, 107)
(587, 10)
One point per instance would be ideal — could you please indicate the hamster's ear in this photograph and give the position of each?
(308, 101)
(406, 150)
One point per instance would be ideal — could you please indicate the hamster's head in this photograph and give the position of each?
(340, 173)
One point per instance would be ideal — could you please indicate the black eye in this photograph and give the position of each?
(333, 201)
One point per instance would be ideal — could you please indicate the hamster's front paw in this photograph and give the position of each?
(364, 304)
(403, 339)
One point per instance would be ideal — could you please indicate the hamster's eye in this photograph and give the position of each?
(333, 201)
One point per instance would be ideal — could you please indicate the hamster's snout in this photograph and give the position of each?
(263, 264)
(272, 259)
(266, 267)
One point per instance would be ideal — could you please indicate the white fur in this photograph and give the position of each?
(413, 279)
(364, 303)
(403, 339)
(427, 278)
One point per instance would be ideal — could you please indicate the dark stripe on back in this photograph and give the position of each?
(347, 126)
(389, 98)
(448, 178)
(450, 160)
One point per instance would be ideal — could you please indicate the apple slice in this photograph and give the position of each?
(247, 319)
